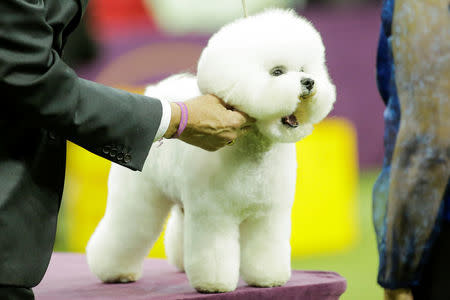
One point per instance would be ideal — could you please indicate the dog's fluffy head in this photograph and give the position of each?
(260, 65)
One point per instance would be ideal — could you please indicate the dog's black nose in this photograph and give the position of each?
(308, 83)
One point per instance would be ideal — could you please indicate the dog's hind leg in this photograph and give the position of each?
(134, 218)
(173, 240)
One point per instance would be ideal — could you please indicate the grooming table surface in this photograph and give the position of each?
(68, 277)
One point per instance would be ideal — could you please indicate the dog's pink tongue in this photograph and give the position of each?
(290, 121)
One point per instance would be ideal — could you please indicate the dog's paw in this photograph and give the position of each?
(264, 280)
(214, 287)
(122, 278)
(267, 284)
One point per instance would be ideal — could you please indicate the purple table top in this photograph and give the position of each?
(68, 277)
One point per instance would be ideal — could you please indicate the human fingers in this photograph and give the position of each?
(214, 100)
(229, 137)
(244, 130)
(234, 111)
(209, 145)
(239, 119)
(248, 120)
(223, 139)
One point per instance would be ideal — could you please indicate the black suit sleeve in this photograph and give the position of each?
(36, 85)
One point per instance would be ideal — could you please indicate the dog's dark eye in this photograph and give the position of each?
(277, 71)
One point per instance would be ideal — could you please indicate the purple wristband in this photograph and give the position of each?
(183, 120)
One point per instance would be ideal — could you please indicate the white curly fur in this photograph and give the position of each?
(231, 208)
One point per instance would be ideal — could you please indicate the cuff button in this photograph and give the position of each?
(120, 156)
(52, 135)
(127, 158)
(113, 153)
(106, 149)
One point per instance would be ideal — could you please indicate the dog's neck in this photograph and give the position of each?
(252, 145)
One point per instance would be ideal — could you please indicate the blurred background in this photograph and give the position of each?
(130, 44)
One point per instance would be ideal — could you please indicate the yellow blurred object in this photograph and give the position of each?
(324, 213)
(324, 216)
(84, 198)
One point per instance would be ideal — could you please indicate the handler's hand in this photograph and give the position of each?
(399, 294)
(210, 124)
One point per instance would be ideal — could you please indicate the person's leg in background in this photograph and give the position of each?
(410, 220)
(435, 284)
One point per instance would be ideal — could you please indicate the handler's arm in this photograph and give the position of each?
(38, 86)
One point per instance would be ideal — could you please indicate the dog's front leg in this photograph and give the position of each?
(265, 249)
(211, 256)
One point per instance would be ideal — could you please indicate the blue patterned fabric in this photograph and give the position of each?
(387, 88)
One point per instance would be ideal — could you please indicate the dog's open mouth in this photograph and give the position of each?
(290, 121)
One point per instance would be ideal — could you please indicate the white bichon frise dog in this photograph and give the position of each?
(230, 209)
